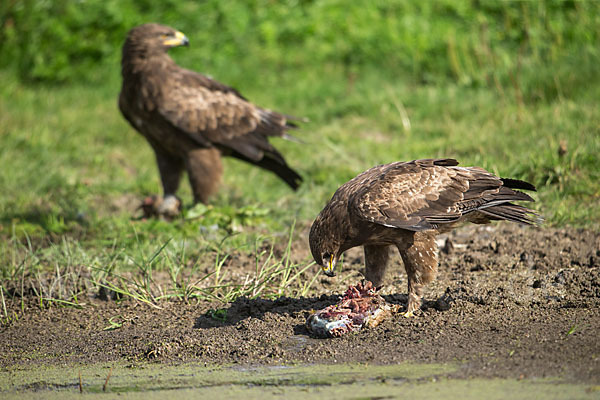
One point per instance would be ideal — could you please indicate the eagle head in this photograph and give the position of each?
(152, 38)
(324, 245)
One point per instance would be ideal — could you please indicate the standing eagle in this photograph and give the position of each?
(191, 120)
(406, 204)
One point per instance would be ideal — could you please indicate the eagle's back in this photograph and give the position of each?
(427, 194)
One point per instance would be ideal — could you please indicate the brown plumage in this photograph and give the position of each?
(191, 120)
(405, 205)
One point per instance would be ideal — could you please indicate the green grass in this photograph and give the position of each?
(73, 172)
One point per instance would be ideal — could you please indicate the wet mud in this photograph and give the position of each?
(509, 302)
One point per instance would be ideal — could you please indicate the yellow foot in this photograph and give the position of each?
(408, 314)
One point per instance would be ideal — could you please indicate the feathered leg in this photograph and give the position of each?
(420, 262)
(376, 261)
(204, 169)
(170, 168)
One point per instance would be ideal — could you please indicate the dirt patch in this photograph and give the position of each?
(509, 301)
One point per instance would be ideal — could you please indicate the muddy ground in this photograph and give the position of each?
(509, 301)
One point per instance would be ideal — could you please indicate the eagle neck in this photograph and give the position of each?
(338, 225)
(140, 61)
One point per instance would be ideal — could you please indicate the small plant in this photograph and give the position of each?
(232, 219)
(219, 314)
(113, 324)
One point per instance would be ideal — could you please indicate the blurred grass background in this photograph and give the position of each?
(509, 86)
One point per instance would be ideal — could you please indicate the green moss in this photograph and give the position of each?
(291, 382)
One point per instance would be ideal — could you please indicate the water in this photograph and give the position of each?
(356, 381)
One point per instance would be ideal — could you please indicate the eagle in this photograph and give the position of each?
(191, 120)
(405, 205)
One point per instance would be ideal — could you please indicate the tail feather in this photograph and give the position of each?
(517, 184)
(288, 175)
(291, 138)
(506, 194)
(274, 162)
(497, 204)
(514, 213)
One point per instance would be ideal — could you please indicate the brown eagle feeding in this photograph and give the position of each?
(191, 120)
(406, 204)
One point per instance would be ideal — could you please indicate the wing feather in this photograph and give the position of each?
(215, 114)
(422, 194)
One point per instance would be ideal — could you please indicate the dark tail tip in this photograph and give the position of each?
(280, 168)
(517, 184)
(291, 177)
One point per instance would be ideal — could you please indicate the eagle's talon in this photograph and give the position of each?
(408, 314)
(167, 208)
(170, 207)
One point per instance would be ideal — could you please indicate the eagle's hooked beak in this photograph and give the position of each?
(329, 270)
(179, 40)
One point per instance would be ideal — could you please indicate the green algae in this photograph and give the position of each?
(291, 382)
(156, 376)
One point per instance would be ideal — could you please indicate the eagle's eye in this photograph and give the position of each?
(326, 258)
(164, 36)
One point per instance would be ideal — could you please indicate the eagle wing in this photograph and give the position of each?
(214, 114)
(422, 194)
